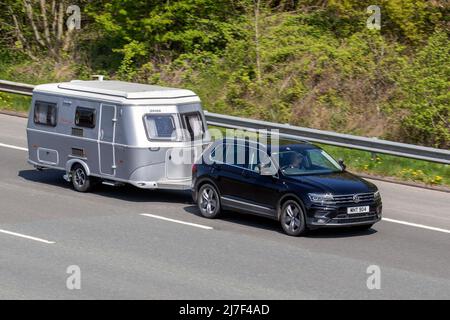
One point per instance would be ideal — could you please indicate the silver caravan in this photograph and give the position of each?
(116, 132)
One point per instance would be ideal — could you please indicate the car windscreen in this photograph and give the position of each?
(161, 126)
(305, 162)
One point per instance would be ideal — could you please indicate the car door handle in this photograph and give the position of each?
(245, 174)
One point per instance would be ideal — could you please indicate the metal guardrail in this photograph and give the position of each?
(294, 132)
(15, 87)
(333, 138)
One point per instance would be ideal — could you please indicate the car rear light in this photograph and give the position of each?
(194, 169)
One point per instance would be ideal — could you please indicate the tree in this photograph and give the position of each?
(162, 30)
(39, 27)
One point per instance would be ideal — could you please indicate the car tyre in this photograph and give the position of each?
(292, 218)
(80, 180)
(208, 201)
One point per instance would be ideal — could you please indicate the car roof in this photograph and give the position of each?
(297, 146)
(127, 90)
(285, 145)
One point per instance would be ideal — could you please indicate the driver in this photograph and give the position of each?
(296, 161)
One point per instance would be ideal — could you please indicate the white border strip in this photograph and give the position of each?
(416, 225)
(25, 236)
(12, 147)
(177, 221)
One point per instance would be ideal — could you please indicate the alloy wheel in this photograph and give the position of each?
(79, 177)
(292, 220)
(208, 201)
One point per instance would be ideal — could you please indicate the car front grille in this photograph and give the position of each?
(350, 198)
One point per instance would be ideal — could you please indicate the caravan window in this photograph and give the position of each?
(161, 127)
(45, 113)
(194, 125)
(85, 117)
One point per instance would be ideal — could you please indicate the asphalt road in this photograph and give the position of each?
(123, 254)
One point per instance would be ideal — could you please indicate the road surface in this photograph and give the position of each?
(140, 244)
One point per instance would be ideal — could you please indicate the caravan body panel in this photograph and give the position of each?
(117, 135)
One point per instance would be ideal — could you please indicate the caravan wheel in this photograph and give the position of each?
(80, 180)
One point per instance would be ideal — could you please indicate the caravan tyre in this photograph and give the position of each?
(80, 180)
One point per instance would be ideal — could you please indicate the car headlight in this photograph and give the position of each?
(320, 197)
(377, 195)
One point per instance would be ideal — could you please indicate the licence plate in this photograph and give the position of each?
(353, 210)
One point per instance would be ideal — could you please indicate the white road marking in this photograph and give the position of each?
(13, 147)
(25, 236)
(416, 225)
(177, 221)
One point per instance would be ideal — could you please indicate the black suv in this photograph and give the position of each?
(298, 184)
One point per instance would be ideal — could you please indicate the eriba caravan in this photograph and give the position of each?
(116, 132)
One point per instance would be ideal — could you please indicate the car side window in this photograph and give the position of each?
(241, 156)
(45, 113)
(259, 158)
(217, 154)
(254, 159)
(85, 117)
(194, 125)
(229, 153)
(160, 127)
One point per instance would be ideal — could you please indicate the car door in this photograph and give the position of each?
(262, 191)
(107, 139)
(231, 180)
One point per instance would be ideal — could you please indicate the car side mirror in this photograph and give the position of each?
(342, 164)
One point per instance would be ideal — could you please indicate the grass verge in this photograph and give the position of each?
(14, 102)
(391, 166)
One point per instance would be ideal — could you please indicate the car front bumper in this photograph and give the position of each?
(319, 216)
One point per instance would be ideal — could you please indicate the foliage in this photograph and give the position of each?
(310, 63)
(161, 30)
(38, 28)
(426, 86)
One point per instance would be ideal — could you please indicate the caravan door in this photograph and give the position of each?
(107, 137)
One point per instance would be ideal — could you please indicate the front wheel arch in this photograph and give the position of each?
(203, 181)
(286, 197)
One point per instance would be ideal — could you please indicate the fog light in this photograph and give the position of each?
(321, 221)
